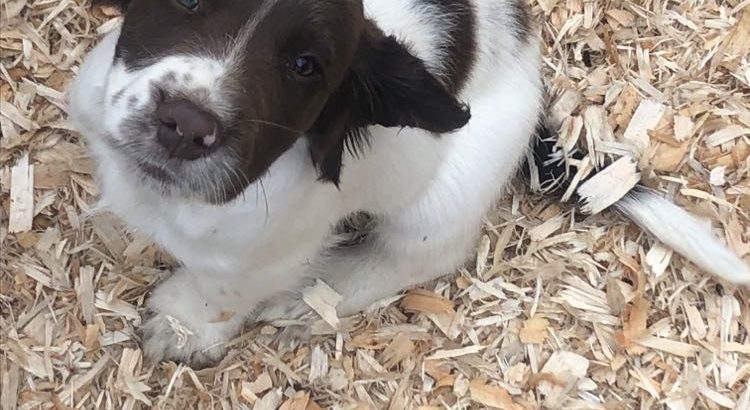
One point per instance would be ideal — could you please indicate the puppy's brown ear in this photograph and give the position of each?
(120, 4)
(393, 88)
(386, 85)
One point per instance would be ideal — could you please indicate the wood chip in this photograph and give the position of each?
(646, 118)
(446, 354)
(657, 259)
(717, 397)
(737, 42)
(299, 401)
(492, 396)
(262, 384)
(318, 364)
(21, 196)
(543, 231)
(697, 326)
(683, 128)
(663, 83)
(670, 346)
(270, 401)
(534, 330)
(9, 383)
(422, 301)
(566, 367)
(323, 300)
(634, 328)
(726, 134)
(398, 350)
(608, 186)
(85, 292)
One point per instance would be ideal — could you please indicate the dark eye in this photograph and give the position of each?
(191, 5)
(304, 66)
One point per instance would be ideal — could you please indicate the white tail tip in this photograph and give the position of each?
(684, 233)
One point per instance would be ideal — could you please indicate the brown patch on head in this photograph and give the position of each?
(297, 68)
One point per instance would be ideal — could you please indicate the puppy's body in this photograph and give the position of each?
(251, 221)
(428, 193)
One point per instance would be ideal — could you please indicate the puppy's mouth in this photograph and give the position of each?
(213, 178)
(205, 181)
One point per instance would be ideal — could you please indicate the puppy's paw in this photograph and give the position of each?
(293, 316)
(165, 337)
(178, 326)
(290, 337)
(286, 307)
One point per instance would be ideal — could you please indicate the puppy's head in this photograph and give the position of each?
(203, 95)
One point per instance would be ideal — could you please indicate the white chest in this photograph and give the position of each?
(281, 219)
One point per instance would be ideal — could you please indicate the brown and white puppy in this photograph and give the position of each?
(237, 133)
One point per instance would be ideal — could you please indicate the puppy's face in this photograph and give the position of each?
(204, 95)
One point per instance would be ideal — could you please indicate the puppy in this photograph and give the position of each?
(238, 133)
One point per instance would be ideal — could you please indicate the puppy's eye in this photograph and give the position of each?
(191, 5)
(304, 66)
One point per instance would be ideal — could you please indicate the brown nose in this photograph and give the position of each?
(185, 130)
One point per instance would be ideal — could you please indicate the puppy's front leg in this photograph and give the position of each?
(185, 323)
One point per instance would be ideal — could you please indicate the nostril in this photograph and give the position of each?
(166, 118)
(186, 131)
(170, 125)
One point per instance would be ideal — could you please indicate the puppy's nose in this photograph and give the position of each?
(185, 130)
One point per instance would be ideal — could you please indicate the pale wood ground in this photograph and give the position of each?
(560, 311)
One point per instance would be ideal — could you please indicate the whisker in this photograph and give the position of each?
(273, 124)
(227, 171)
(217, 189)
(265, 198)
(220, 186)
(203, 187)
(237, 184)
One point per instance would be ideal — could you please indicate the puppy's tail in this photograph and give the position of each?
(682, 232)
(618, 187)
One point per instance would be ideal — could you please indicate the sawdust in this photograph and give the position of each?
(560, 310)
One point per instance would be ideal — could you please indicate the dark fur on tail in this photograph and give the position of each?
(546, 167)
